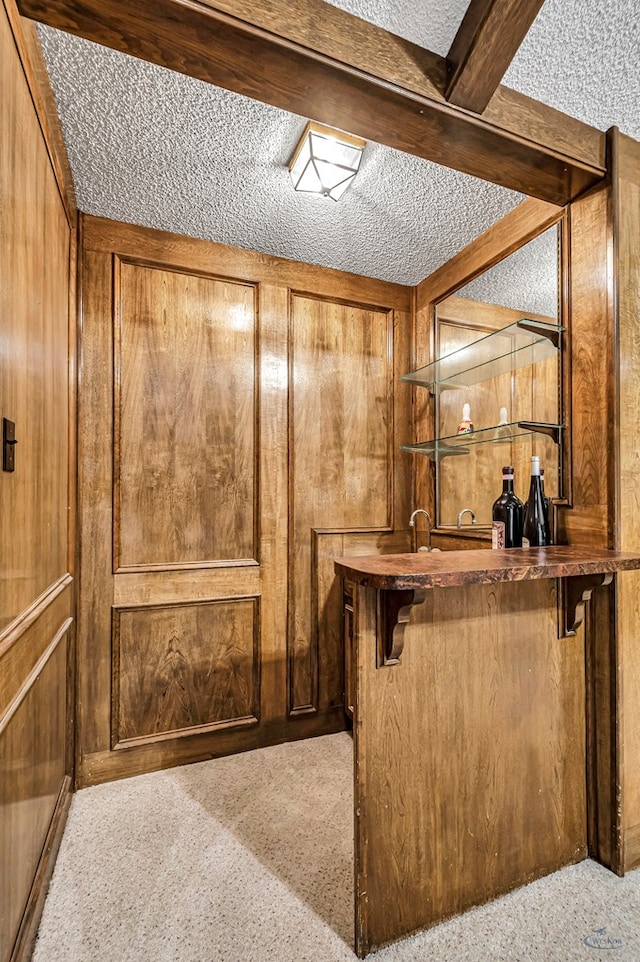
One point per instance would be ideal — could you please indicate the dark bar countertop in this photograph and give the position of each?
(446, 569)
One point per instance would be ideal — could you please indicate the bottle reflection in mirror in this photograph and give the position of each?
(535, 530)
(507, 515)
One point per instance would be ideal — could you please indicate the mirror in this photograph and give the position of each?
(521, 387)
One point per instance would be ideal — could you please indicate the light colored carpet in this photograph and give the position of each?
(249, 859)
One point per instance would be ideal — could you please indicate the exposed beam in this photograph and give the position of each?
(484, 46)
(334, 68)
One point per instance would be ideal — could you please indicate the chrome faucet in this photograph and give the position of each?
(462, 514)
(412, 524)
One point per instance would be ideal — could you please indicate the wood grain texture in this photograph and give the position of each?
(590, 520)
(341, 421)
(266, 283)
(626, 207)
(327, 623)
(37, 77)
(237, 49)
(486, 42)
(454, 568)
(480, 787)
(101, 235)
(185, 419)
(34, 304)
(185, 667)
(33, 767)
(37, 276)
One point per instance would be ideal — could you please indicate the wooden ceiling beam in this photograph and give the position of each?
(329, 66)
(487, 41)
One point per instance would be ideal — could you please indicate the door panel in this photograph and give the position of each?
(185, 403)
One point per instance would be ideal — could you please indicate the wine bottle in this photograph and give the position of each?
(507, 515)
(535, 530)
(465, 426)
(547, 506)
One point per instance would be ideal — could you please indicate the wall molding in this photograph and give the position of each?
(15, 629)
(33, 675)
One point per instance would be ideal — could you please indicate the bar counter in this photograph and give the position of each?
(477, 696)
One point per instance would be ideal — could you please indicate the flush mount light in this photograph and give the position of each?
(325, 161)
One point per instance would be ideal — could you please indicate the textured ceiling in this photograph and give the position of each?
(157, 148)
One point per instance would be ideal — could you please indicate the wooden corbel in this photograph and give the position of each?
(394, 611)
(577, 593)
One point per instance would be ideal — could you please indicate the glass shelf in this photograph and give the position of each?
(518, 345)
(458, 444)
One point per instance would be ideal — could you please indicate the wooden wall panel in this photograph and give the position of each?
(139, 287)
(37, 249)
(472, 751)
(34, 379)
(33, 765)
(590, 520)
(186, 404)
(327, 599)
(341, 457)
(626, 199)
(185, 667)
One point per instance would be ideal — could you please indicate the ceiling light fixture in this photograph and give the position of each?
(325, 161)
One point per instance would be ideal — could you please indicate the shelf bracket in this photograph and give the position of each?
(577, 593)
(551, 334)
(393, 613)
(538, 427)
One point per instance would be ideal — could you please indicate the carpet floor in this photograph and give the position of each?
(249, 859)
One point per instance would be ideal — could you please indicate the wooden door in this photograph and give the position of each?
(236, 419)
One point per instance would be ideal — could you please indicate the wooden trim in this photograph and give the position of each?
(106, 766)
(37, 77)
(519, 226)
(33, 676)
(26, 937)
(486, 42)
(174, 251)
(26, 618)
(234, 45)
(171, 736)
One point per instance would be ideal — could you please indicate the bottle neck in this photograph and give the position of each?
(507, 484)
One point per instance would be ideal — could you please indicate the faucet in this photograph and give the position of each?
(462, 513)
(412, 524)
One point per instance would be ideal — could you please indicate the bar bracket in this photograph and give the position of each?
(393, 613)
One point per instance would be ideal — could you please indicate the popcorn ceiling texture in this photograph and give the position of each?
(583, 57)
(156, 148)
(527, 280)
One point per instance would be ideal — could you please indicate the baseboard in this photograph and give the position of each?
(109, 766)
(632, 848)
(28, 930)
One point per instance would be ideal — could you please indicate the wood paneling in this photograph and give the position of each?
(33, 764)
(327, 624)
(36, 500)
(185, 667)
(341, 435)
(626, 207)
(185, 432)
(291, 352)
(486, 42)
(590, 520)
(34, 305)
(479, 787)
(540, 153)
